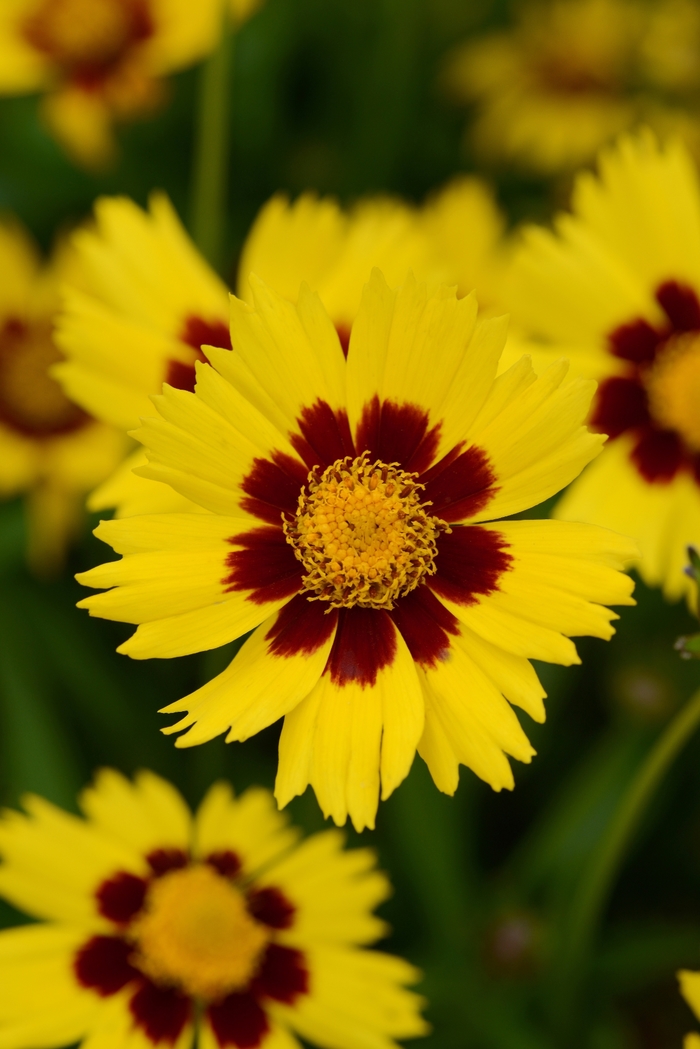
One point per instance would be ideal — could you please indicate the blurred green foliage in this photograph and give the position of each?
(342, 98)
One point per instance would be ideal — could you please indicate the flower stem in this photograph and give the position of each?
(211, 154)
(599, 876)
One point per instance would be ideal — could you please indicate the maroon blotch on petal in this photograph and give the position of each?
(271, 907)
(163, 860)
(301, 627)
(121, 897)
(266, 566)
(272, 486)
(636, 341)
(160, 1012)
(182, 376)
(470, 562)
(365, 643)
(397, 433)
(198, 332)
(658, 455)
(462, 486)
(621, 404)
(238, 1020)
(425, 625)
(225, 862)
(103, 965)
(325, 435)
(680, 304)
(344, 332)
(283, 974)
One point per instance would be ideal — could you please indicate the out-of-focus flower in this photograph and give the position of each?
(50, 450)
(150, 301)
(617, 289)
(353, 499)
(573, 74)
(97, 61)
(220, 929)
(690, 989)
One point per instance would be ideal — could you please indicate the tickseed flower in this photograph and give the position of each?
(353, 505)
(570, 75)
(51, 452)
(156, 926)
(147, 301)
(690, 989)
(618, 284)
(99, 61)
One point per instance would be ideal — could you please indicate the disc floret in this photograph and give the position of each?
(363, 534)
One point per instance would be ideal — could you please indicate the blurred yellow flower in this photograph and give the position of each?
(98, 61)
(572, 74)
(149, 300)
(50, 450)
(690, 989)
(160, 927)
(616, 289)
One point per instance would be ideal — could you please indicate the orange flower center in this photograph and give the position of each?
(31, 401)
(673, 387)
(362, 534)
(86, 33)
(196, 933)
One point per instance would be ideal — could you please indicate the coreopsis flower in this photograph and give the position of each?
(156, 927)
(690, 989)
(51, 451)
(148, 300)
(570, 75)
(353, 525)
(99, 61)
(618, 284)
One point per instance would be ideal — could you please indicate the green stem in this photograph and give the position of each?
(209, 176)
(599, 876)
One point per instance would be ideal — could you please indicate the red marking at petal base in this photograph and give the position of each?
(680, 304)
(425, 625)
(325, 435)
(266, 566)
(225, 862)
(344, 331)
(621, 404)
(181, 376)
(365, 643)
(273, 485)
(470, 562)
(163, 860)
(658, 455)
(271, 907)
(462, 487)
(283, 974)
(238, 1020)
(121, 897)
(103, 965)
(397, 433)
(197, 332)
(636, 341)
(160, 1012)
(301, 627)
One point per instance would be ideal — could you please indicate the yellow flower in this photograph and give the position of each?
(690, 989)
(352, 518)
(97, 61)
(573, 74)
(156, 925)
(150, 300)
(618, 285)
(50, 450)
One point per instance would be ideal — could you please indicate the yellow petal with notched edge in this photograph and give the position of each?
(144, 815)
(258, 687)
(251, 825)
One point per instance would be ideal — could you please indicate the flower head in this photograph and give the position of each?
(147, 301)
(155, 923)
(572, 74)
(351, 523)
(51, 451)
(618, 284)
(99, 60)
